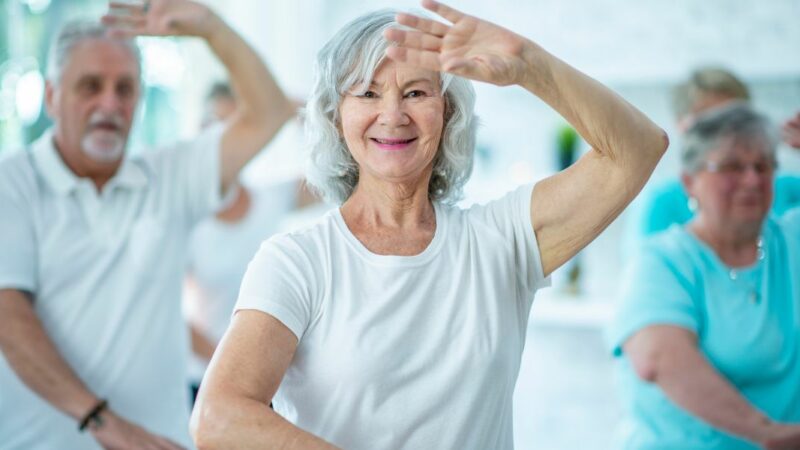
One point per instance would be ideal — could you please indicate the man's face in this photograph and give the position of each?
(94, 102)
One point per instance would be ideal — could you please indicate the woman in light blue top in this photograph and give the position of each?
(708, 334)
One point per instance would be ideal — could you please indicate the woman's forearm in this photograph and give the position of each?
(692, 383)
(242, 423)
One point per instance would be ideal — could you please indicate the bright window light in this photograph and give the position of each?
(29, 96)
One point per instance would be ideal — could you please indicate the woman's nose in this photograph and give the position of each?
(393, 113)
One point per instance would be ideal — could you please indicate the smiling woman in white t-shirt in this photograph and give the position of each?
(398, 320)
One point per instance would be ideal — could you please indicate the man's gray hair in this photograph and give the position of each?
(351, 57)
(703, 82)
(737, 123)
(73, 33)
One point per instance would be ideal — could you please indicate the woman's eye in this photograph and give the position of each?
(416, 93)
(369, 94)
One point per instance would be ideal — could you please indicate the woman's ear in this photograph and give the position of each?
(687, 180)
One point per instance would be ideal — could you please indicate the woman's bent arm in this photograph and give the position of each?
(668, 356)
(232, 409)
(572, 207)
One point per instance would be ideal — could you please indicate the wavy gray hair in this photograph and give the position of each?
(350, 57)
(736, 121)
(73, 33)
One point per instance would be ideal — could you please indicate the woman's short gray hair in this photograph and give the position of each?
(73, 33)
(737, 121)
(351, 57)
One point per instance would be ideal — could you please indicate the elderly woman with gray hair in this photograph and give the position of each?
(398, 320)
(709, 329)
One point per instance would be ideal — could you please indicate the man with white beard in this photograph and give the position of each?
(92, 244)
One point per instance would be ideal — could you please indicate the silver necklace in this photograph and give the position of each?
(754, 290)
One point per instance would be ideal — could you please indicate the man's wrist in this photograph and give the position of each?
(93, 417)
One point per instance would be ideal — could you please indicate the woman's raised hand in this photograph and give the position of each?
(791, 131)
(160, 18)
(470, 47)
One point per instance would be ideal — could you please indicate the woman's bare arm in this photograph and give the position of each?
(668, 356)
(232, 409)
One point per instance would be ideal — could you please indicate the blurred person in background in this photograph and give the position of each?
(708, 330)
(668, 203)
(398, 320)
(221, 246)
(94, 353)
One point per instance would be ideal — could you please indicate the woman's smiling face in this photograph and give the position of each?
(393, 126)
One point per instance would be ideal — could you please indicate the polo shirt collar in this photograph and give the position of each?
(62, 180)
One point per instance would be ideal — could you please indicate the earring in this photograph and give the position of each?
(692, 204)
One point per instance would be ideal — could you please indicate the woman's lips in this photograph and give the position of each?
(392, 144)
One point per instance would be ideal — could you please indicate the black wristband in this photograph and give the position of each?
(93, 415)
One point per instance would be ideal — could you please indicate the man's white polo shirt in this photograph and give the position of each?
(105, 271)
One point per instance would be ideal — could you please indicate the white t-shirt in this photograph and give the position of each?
(218, 256)
(105, 271)
(404, 352)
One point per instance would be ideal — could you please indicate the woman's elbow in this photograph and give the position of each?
(646, 361)
(663, 140)
(646, 369)
(207, 425)
(656, 143)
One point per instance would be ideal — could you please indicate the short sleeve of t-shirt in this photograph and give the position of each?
(791, 221)
(511, 215)
(281, 281)
(17, 241)
(191, 173)
(656, 290)
(787, 194)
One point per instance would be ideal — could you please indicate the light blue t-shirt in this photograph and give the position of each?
(748, 328)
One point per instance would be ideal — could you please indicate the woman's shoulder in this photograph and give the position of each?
(310, 238)
(790, 220)
(516, 200)
(674, 247)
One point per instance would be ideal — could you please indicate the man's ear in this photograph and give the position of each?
(49, 98)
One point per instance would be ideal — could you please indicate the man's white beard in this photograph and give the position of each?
(104, 145)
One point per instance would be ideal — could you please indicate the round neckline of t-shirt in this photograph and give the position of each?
(395, 260)
(743, 271)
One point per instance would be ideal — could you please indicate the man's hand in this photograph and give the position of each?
(161, 18)
(116, 433)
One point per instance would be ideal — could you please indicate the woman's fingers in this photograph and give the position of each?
(458, 66)
(443, 10)
(414, 39)
(425, 25)
(419, 58)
